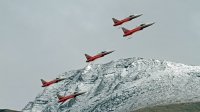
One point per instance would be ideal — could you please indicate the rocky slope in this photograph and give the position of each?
(120, 86)
(182, 107)
(8, 110)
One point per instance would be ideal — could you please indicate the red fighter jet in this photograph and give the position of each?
(130, 32)
(102, 54)
(63, 99)
(51, 82)
(119, 22)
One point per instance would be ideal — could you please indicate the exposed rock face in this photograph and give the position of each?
(180, 107)
(121, 86)
(8, 110)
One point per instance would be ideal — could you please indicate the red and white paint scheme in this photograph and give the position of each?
(119, 22)
(63, 99)
(51, 82)
(140, 27)
(102, 54)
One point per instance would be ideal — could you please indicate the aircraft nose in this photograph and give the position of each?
(149, 24)
(152, 23)
(84, 92)
(81, 93)
(64, 78)
(140, 15)
(112, 51)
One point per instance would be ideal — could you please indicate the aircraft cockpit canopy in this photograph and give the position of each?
(103, 51)
(131, 15)
(142, 24)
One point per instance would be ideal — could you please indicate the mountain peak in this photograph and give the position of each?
(121, 85)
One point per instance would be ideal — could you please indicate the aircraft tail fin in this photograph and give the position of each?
(87, 56)
(115, 20)
(59, 96)
(43, 81)
(125, 30)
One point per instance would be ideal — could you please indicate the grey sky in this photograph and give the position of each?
(44, 38)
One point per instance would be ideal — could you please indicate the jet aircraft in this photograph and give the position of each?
(63, 99)
(51, 82)
(119, 22)
(102, 54)
(140, 27)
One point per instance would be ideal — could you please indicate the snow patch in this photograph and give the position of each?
(122, 85)
(124, 72)
(109, 75)
(87, 68)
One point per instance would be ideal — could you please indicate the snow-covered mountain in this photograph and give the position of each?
(120, 86)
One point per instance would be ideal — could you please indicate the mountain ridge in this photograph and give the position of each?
(122, 85)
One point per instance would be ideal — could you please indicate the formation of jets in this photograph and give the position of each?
(61, 98)
(99, 55)
(130, 32)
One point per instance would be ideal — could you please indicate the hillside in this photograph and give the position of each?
(183, 107)
(121, 85)
(8, 110)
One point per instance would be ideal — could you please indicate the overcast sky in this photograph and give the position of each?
(45, 38)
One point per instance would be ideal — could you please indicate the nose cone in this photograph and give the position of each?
(139, 15)
(77, 94)
(110, 52)
(83, 92)
(135, 16)
(148, 24)
(61, 79)
(151, 23)
(64, 78)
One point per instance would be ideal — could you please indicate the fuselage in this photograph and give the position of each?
(98, 56)
(126, 19)
(63, 99)
(94, 57)
(122, 21)
(52, 82)
(66, 98)
(130, 32)
(49, 83)
(141, 27)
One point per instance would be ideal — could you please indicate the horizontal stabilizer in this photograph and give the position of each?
(87, 56)
(115, 20)
(59, 96)
(125, 30)
(43, 81)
